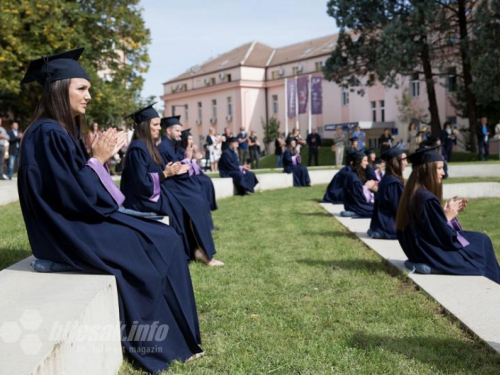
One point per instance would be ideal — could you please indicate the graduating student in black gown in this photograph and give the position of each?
(187, 151)
(358, 191)
(370, 168)
(244, 180)
(191, 214)
(70, 206)
(430, 233)
(291, 164)
(390, 189)
(335, 189)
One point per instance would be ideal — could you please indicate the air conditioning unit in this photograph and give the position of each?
(213, 120)
(207, 81)
(198, 122)
(222, 76)
(229, 118)
(281, 71)
(300, 69)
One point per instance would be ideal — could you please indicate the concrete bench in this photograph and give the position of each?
(272, 181)
(58, 323)
(474, 300)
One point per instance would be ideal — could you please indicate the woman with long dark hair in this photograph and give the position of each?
(430, 233)
(291, 164)
(70, 207)
(145, 184)
(388, 195)
(358, 191)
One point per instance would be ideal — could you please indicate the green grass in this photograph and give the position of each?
(300, 294)
(461, 180)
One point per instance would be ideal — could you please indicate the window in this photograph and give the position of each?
(229, 78)
(200, 107)
(452, 120)
(345, 96)
(319, 66)
(229, 106)
(451, 80)
(173, 110)
(274, 75)
(374, 111)
(382, 110)
(296, 70)
(212, 81)
(415, 86)
(186, 113)
(275, 104)
(214, 109)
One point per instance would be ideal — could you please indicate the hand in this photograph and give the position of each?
(171, 169)
(246, 167)
(463, 204)
(184, 168)
(108, 144)
(370, 184)
(451, 209)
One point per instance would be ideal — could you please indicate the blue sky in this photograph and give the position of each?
(189, 32)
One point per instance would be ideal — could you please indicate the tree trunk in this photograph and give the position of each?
(470, 98)
(431, 91)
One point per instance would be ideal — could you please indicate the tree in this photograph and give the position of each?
(408, 112)
(383, 40)
(271, 131)
(115, 40)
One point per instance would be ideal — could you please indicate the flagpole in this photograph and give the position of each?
(286, 106)
(297, 105)
(310, 103)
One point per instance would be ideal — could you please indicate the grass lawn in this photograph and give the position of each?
(300, 294)
(461, 180)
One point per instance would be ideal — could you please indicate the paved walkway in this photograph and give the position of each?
(474, 300)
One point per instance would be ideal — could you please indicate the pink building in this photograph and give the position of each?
(247, 85)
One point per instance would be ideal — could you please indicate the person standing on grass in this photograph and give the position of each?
(243, 145)
(15, 137)
(4, 138)
(430, 233)
(483, 138)
(313, 140)
(412, 137)
(70, 207)
(254, 146)
(338, 145)
(243, 179)
(388, 195)
(291, 164)
(278, 150)
(385, 141)
(358, 133)
(448, 139)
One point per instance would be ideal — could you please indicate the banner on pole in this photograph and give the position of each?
(291, 97)
(303, 91)
(316, 96)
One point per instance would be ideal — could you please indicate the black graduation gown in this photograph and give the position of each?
(229, 167)
(370, 173)
(205, 182)
(188, 196)
(300, 172)
(71, 218)
(385, 208)
(138, 187)
(432, 241)
(354, 199)
(335, 190)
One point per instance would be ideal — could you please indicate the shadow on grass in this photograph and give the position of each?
(9, 256)
(331, 234)
(438, 352)
(323, 213)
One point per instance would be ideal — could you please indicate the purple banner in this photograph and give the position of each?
(316, 96)
(291, 97)
(303, 91)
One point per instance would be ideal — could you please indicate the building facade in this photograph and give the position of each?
(246, 86)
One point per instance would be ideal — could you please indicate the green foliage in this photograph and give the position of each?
(115, 40)
(271, 130)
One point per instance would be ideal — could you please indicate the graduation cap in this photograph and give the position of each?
(143, 114)
(424, 155)
(186, 133)
(378, 161)
(430, 142)
(357, 155)
(233, 139)
(391, 153)
(167, 122)
(53, 68)
(353, 139)
(370, 151)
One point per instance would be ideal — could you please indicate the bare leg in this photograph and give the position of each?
(201, 256)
